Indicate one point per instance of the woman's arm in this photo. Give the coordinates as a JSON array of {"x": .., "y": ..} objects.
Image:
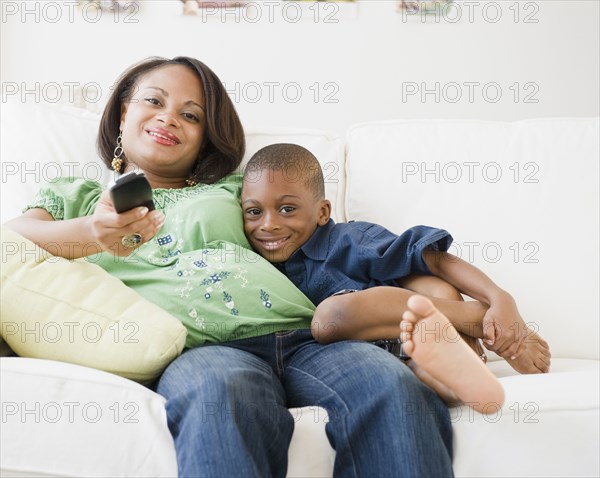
[{"x": 84, "y": 236}]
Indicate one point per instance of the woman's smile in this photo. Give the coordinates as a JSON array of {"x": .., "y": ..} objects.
[{"x": 162, "y": 136}]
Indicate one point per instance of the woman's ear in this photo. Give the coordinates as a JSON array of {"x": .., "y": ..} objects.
[
  {"x": 123, "y": 114},
  {"x": 324, "y": 212}
]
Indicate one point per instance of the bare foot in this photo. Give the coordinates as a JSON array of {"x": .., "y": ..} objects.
[
  {"x": 535, "y": 358},
  {"x": 435, "y": 346},
  {"x": 446, "y": 394}
]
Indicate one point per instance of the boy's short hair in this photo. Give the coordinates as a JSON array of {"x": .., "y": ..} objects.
[{"x": 294, "y": 161}]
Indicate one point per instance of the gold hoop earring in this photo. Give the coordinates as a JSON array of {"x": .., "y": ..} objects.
[{"x": 117, "y": 161}]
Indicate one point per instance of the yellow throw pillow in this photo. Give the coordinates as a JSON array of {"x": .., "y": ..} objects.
[{"x": 74, "y": 311}]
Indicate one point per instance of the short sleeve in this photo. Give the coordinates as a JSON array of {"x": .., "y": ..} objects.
[
  {"x": 67, "y": 198},
  {"x": 387, "y": 256},
  {"x": 233, "y": 184}
]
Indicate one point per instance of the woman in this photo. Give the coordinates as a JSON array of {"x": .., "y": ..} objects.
[{"x": 250, "y": 355}]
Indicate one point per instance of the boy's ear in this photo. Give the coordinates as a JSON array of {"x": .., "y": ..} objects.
[{"x": 324, "y": 212}]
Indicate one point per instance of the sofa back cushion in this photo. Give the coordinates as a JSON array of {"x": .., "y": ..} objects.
[
  {"x": 41, "y": 142},
  {"x": 520, "y": 199},
  {"x": 328, "y": 148}
]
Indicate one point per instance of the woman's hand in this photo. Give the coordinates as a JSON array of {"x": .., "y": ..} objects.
[{"x": 109, "y": 228}]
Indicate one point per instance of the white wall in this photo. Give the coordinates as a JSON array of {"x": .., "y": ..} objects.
[{"x": 368, "y": 62}]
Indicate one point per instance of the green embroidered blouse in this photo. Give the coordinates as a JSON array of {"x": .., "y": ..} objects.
[{"x": 200, "y": 266}]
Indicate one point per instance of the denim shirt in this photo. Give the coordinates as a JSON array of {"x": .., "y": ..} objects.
[{"x": 359, "y": 255}]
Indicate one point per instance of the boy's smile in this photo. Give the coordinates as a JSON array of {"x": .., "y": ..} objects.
[{"x": 280, "y": 213}]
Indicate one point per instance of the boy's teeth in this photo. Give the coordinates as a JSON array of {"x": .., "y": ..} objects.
[{"x": 274, "y": 243}]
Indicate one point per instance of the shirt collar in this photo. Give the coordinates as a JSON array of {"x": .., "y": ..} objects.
[{"x": 317, "y": 247}]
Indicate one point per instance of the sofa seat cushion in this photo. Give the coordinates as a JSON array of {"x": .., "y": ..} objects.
[
  {"x": 544, "y": 416},
  {"x": 66, "y": 420}
]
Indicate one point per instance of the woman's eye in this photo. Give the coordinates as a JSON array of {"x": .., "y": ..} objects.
[
  {"x": 153, "y": 101},
  {"x": 191, "y": 116}
]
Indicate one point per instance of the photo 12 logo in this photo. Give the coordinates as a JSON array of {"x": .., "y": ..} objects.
[
  {"x": 470, "y": 172},
  {"x": 469, "y": 92},
  {"x": 288, "y": 92},
  {"x": 238, "y": 11},
  {"x": 69, "y": 412},
  {"x": 71, "y": 11},
  {"x": 52, "y": 92},
  {"x": 449, "y": 11}
]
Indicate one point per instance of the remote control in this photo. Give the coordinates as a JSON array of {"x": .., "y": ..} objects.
[{"x": 131, "y": 190}]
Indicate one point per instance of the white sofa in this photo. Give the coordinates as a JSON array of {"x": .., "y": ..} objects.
[{"x": 521, "y": 200}]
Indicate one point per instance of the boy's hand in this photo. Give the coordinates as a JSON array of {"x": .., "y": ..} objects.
[
  {"x": 505, "y": 333},
  {"x": 504, "y": 330}
]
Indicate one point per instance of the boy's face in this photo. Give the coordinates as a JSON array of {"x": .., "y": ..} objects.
[{"x": 280, "y": 213}]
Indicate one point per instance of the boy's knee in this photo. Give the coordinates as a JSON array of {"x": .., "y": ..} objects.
[
  {"x": 443, "y": 290},
  {"x": 326, "y": 323}
]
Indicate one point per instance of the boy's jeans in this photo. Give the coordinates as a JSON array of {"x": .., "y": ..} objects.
[{"x": 227, "y": 408}]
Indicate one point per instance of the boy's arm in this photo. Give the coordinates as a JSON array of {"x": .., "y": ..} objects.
[{"x": 504, "y": 330}]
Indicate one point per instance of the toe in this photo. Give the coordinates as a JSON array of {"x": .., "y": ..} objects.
[{"x": 421, "y": 305}]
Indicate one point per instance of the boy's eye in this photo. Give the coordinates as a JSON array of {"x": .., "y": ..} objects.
[
  {"x": 253, "y": 212},
  {"x": 287, "y": 209}
]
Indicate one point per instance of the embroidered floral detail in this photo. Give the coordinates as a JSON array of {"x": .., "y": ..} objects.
[
  {"x": 207, "y": 294},
  {"x": 164, "y": 198},
  {"x": 49, "y": 201},
  {"x": 200, "y": 264},
  {"x": 229, "y": 303},
  {"x": 214, "y": 278},
  {"x": 241, "y": 275},
  {"x": 265, "y": 299},
  {"x": 199, "y": 322},
  {"x": 164, "y": 240},
  {"x": 184, "y": 292},
  {"x": 186, "y": 272}
]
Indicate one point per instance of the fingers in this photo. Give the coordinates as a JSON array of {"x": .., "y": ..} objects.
[
  {"x": 147, "y": 226},
  {"x": 122, "y": 233},
  {"x": 141, "y": 231},
  {"x": 489, "y": 334},
  {"x": 489, "y": 337}
]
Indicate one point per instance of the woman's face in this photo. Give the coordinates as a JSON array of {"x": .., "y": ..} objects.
[{"x": 163, "y": 125}]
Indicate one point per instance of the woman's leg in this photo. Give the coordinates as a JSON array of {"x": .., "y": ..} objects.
[
  {"x": 226, "y": 411},
  {"x": 382, "y": 420}
]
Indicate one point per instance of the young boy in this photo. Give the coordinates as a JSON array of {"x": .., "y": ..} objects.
[{"x": 286, "y": 219}]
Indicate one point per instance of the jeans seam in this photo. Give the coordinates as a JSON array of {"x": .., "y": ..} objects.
[
  {"x": 279, "y": 355},
  {"x": 342, "y": 422}
]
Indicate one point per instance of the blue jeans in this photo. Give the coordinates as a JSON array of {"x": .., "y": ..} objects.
[{"x": 227, "y": 408}]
